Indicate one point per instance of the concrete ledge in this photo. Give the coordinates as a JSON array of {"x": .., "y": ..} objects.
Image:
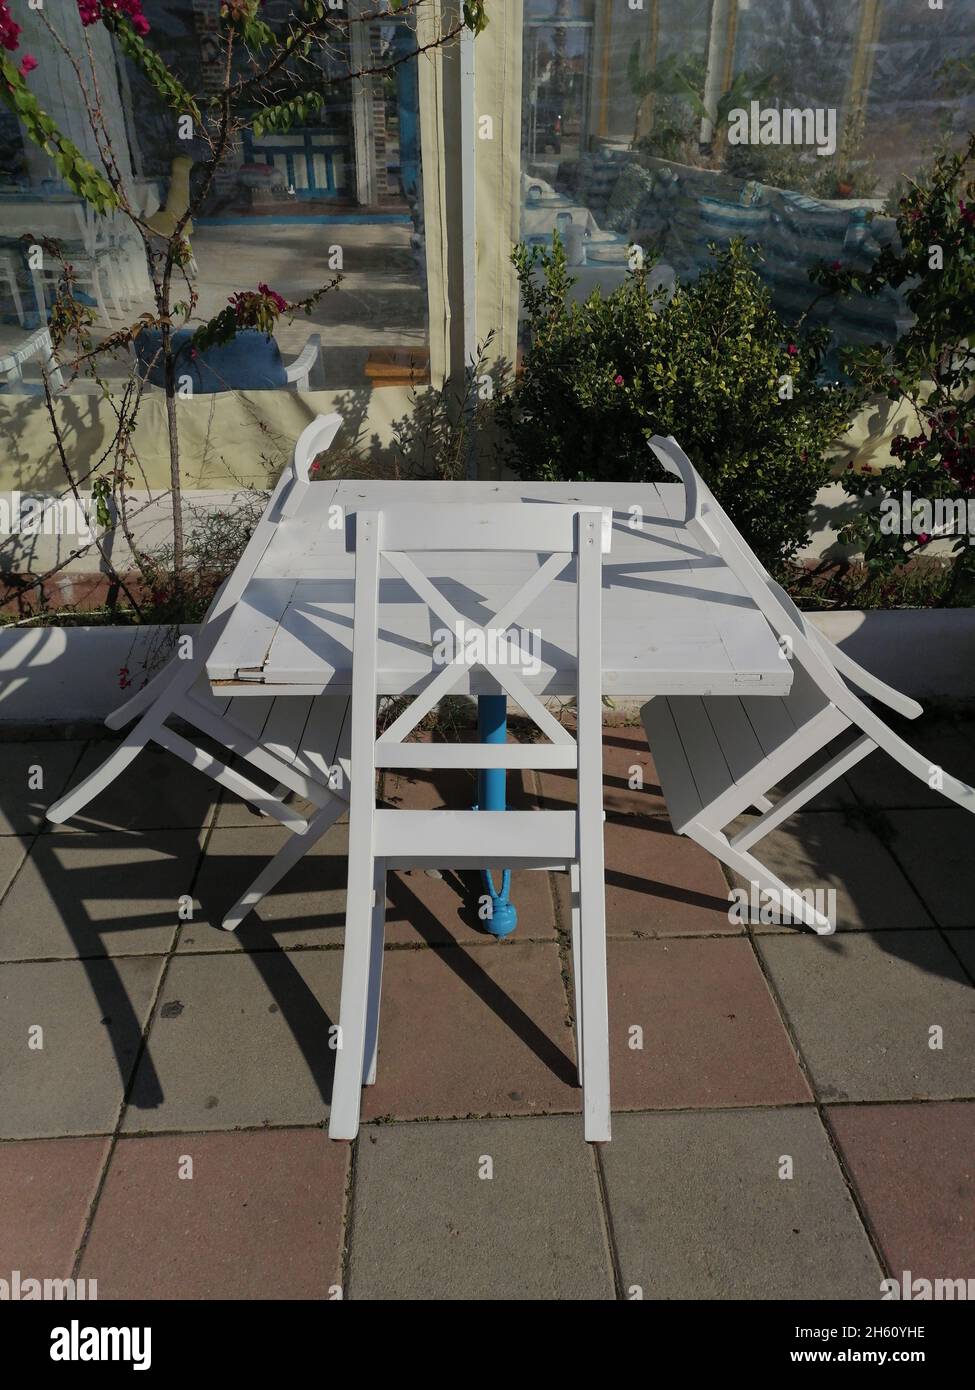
[{"x": 56, "y": 679}]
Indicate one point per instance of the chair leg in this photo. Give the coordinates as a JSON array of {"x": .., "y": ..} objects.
[
  {"x": 750, "y": 868},
  {"x": 148, "y": 727},
  {"x": 371, "y": 1053},
  {"x": 15, "y": 296},
  {"x": 40, "y": 295},
  {"x": 576, "y": 961},
  {"x": 287, "y": 856},
  {"x": 350, "y": 1057},
  {"x": 96, "y": 287},
  {"x": 97, "y": 781},
  {"x": 592, "y": 972}
]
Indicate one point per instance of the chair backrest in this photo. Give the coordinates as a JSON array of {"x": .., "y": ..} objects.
[
  {"x": 563, "y": 534},
  {"x": 711, "y": 526},
  {"x": 285, "y": 501}
]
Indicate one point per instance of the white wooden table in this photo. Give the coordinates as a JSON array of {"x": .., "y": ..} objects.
[{"x": 675, "y": 621}]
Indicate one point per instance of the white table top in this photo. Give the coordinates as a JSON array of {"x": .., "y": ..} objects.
[{"x": 675, "y": 621}]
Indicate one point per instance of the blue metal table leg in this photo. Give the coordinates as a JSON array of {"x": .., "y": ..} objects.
[{"x": 492, "y": 727}]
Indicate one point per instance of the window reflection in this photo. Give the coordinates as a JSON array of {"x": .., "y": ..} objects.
[
  {"x": 627, "y": 135},
  {"x": 339, "y": 192}
]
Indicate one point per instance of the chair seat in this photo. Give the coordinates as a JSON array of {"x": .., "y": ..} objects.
[
  {"x": 309, "y": 735},
  {"x": 704, "y": 746}
]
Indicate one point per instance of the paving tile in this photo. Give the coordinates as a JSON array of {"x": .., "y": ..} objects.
[
  {"x": 711, "y": 1033},
  {"x": 445, "y": 908},
  {"x": 452, "y": 789},
  {"x": 700, "y": 1210},
  {"x": 22, "y": 801},
  {"x": 46, "y": 1189},
  {"x": 307, "y": 908},
  {"x": 626, "y": 760},
  {"x": 473, "y": 1032},
  {"x": 92, "y": 1015},
  {"x": 913, "y": 1167},
  {"x": 98, "y": 894},
  {"x": 831, "y": 851},
  {"x": 862, "y": 1006},
  {"x": 880, "y": 781},
  {"x": 260, "y": 1217},
  {"x": 427, "y": 1225},
  {"x": 239, "y": 1040},
  {"x": 155, "y": 792},
  {"x": 935, "y": 848},
  {"x": 13, "y": 849},
  {"x": 657, "y": 883},
  {"x": 963, "y": 942}
]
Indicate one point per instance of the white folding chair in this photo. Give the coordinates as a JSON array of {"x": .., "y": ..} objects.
[
  {"x": 36, "y": 345},
  {"x": 295, "y": 741},
  {"x": 717, "y": 756},
  {"x": 381, "y": 839}
]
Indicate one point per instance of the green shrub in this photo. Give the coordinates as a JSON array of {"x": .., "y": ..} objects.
[
  {"x": 932, "y": 366},
  {"x": 716, "y": 368}
]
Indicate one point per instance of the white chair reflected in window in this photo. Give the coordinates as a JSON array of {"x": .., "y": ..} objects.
[
  {"x": 10, "y": 263},
  {"x": 36, "y": 348}
]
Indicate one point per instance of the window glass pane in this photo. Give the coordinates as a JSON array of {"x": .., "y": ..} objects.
[
  {"x": 596, "y": 122},
  {"x": 819, "y": 109},
  {"x": 921, "y": 85},
  {"x": 339, "y": 192}
]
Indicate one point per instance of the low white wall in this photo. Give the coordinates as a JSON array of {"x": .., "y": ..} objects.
[
  {"x": 76, "y": 675},
  {"x": 73, "y": 676}
]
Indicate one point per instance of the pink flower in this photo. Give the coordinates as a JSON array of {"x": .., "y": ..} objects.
[
  {"x": 617, "y": 380},
  {"x": 280, "y": 303},
  {"x": 91, "y": 11},
  {"x": 27, "y": 64},
  {"x": 923, "y": 538},
  {"x": 9, "y": 29},
  {"x": 792, "y": 349}
]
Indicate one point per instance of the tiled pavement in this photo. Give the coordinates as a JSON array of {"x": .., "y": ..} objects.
[{"x": 794, "y": 1116}]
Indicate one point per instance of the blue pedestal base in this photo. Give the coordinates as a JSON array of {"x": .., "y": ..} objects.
[{"x": 492, "y": 727}]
